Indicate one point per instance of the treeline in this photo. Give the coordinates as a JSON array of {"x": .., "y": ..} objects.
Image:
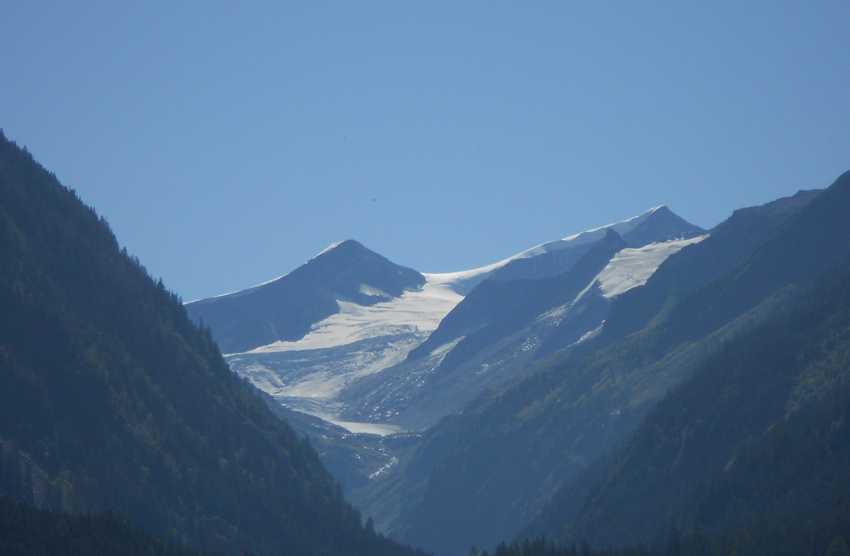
[
  {"x": 829, "y": 539},
  {"x": 26, "y": 531}
]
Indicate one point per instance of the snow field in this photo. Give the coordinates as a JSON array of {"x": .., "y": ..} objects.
[{"x": 632, "y": 267}]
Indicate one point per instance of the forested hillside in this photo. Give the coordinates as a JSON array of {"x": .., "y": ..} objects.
[
  {"x": 110, "y": 398},
  {"x": 27, "y": 531},
  {"x": 504, "y": 457},
  {"x": 756, "y": 441}
]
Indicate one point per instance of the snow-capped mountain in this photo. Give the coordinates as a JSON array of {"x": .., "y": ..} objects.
[
  {"x": 498, "y": 332},
  {"x": 366, "y": 344},
  {"x": 285, "y": 309}
]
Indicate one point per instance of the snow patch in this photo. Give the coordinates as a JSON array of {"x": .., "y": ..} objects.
[
  {"x": 420, "y": 310},
  {"x": 632, "y": 267},
  {"x": 555, "y": 314},
  {"x": 590, "y": 333},
  {"x": 360, "y": 428},
  {"x": 444, "y": 349},
  {"x": 384, "y": 468},
  {"x": 466, "y": 279},
  {"x": 366, "y": 289},
  {"x": 323, "y": 377},
  {"x": 368, "y": 428}
]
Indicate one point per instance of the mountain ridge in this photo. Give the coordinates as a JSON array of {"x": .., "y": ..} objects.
[
  {"x": 740, "y": 464},
  {"x": 581, "y": 405},
  {"x": 284, "y": 309},
  {"x": 531, "y": 298},
  {"x": 728, "y": 242},
  {"x": 354, "y": 369},
  {"x": 110, "y": 397}
]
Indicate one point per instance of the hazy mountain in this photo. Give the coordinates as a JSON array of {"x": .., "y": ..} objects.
[
  {"x": 110, "y": 397},
  {"x": 365, "y": 367},
  {"x": 755, "y": 441},
  {"x": 657, "y": 225},
  {"x": 507, "y": 454},
  {"x": 728, "y": 244},
  {"x": 286, "y": 308}
]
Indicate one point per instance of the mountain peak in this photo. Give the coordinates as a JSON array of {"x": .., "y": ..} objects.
[
  {"x": 660, "y": 224},
  {"x": 285, "y": 309},
  {"x": 656, "y": 225},
  {"x": 344, "y": 245}
]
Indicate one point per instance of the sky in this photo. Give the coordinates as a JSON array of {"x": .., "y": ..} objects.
[{"x": 226, "y": 143}]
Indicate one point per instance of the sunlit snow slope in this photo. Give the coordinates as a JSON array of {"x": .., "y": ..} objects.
[
  {"x": 413, "y": 311},
  {"x": 632, "y": 267}
]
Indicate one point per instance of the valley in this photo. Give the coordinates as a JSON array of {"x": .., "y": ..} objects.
[
  {"x": 409, "y": 397},
  {"x": 364, "y": 407}
]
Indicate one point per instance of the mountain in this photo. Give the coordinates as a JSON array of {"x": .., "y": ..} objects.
[
  {"x": 497, "y": 308},
  {"x": 756, "y": 441},
  {"x": 285, "y": 309},
  {"x": 657, "y": 225},
  {"x": 501, "y": 460},
  {"x": 377, "y": 364},
  {"x": 496, "y": 332},
  {"x": 492, "y": 388},
  {"x": 728, "y": 244},
  {"x": 111, "y": 398},
  {"x": 612, "y": 386}
]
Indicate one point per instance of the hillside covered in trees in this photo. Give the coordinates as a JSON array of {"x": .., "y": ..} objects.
[
  {"x": 110, "y": 398},
  {"x": 755, "y": 446},
  {"x": 27, "y": 531},
  {"x": 483, "y": 475}
]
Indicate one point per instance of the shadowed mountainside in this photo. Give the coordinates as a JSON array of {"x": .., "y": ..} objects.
[{"x": 110, "y": 397}]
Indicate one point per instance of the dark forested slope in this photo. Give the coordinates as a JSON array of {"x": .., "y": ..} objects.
[
  {"x": 27, "y": 531},
  {"x": 510, "y": 453},
  {"x": 756, "y": 442},
  {"x": 111, "y": 398}
]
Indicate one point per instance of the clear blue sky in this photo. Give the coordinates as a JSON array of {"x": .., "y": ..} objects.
[{"x": 227, "y": 143}]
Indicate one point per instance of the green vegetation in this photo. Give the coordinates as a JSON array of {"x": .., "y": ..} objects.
[
  {"x": 507, "y": 454},
  {"x": 753, "y": 449},
  {"x": 26, "y": 531},
  {"x": 828, "y": 539},
  {"x": 110, "y": 398}
]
